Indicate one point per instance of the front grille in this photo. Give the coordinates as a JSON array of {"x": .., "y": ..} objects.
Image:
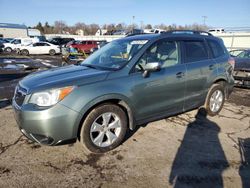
[{"x": 20, "y": 95}]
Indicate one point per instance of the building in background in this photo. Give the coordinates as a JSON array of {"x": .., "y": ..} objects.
[
  {"x": 80, "y": 32},
  {"x": 8, "y": 30},
  {"x": 34, "y": 32}
]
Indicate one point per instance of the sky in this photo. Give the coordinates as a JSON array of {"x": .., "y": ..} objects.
[{"x": 219, "y": 13}]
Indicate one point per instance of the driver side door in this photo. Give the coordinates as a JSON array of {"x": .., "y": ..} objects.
[{"x": 162, "y": 92}]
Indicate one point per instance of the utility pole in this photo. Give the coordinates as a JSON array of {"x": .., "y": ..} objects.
[
  {"x": 133, "y": 24},
  {"x": 204, "y": 20},
  {"x": 142, "y": 25}
]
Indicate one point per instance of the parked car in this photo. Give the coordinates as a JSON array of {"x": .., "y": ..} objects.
[
  {"x": 85, "y": 45},
  {"x": 60, "y": 41},
  {"x": 12, "y": 70},
  {"x": 128, "y": 82},
  {"x": 154, "y": 31},
  {"x": 40, "y": 48},
  {"x": 119, "y": 32},
  {"x": 17, "y": 43},
  {"x": 242, "y": 67}
]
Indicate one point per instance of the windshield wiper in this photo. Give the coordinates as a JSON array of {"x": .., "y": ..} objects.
[{"x": 98, "y": 67}]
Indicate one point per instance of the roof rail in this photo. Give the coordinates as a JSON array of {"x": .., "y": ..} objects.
[{"x": 188, "y": 32}]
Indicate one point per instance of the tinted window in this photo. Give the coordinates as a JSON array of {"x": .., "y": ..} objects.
[
  {"x": 195, "y": 51},
  {"x": 38, "y": 44},
  {"x": 217, "y": 49},
  {"x": 17, "y": 41},
  {"x": 165, "y": 52}
]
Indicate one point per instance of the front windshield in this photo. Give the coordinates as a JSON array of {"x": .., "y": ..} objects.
[{"x": 115, "y": 54}]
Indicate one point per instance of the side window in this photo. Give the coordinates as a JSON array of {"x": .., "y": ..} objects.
[
  {"x": 39, "y": 44},
  {"x": 165, "y": 52},
  {"x": 43, "y": 44},
  {"x": 17, "y": 41},
  {"x": 216, "y": 48},
  {"x": 195, "y": 51}
]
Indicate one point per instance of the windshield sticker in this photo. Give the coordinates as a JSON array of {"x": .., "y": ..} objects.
[{"x": 141, "y": 42}]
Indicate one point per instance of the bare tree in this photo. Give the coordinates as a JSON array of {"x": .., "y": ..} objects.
[
  {"x": 60, "y": 27},
  {"x": 148, "y": 26}
]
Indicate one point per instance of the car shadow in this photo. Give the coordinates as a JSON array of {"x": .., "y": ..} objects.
[
  {"x": 200, "y": 159},
  {"x": 244, "y": 170}
]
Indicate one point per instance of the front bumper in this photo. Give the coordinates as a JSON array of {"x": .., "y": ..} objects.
[
  {"x": 52, "y": 126},
  {"x": 242, "y": 78},
  {"x": 242, "y": 81}
]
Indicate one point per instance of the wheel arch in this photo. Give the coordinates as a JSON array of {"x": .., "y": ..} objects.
[
  {"x": 119, "y": 101},
  {"x": 223, "y": 81}
]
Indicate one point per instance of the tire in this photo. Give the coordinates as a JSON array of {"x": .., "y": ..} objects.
[
  {"x": 52, "y": 52},
  {"x": 8, "y": 49},
  {"x": 90, "y": 131},
  {"x": 25, "y": 52},
  {"x": 215, "y": 99}
]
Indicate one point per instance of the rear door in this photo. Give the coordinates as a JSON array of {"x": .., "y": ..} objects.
[
  {"x": 162, "y": 92},
  {"x": 200, "y": 70}
]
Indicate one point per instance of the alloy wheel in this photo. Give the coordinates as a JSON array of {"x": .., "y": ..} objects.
[
  {"x": 216, "y": 100},
  {"x": 105, "y": 129}
]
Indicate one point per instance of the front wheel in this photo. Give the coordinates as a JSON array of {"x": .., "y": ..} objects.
[
  {"x": 8, "y": 49},
  {"x": 103, "y": 129},
  {"x": 52, "y": 52},
  {"x": 215, "y": 99}
]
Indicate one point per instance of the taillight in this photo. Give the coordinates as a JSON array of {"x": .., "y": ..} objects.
[{"x": 231, "y": 61}]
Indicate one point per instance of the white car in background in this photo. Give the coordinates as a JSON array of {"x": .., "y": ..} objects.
[
  {"x": 40, "y": 48},
  {"x": 17, "y": 43}
]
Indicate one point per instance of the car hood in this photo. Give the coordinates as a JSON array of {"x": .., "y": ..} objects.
[{"x": 61, "y": 77}]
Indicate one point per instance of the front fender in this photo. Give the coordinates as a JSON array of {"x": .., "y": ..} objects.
[{"x": 123, "y": 101}]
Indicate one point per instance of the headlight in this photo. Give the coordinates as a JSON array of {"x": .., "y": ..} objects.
[{"x": 50, "y": 97}]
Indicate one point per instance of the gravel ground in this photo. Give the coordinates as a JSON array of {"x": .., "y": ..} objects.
[{"x": 189, "y": 150}]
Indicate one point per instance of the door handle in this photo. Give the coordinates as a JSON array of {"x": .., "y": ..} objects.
[{"x": 180, "y": 74}]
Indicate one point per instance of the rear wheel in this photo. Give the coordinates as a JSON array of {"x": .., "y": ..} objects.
[
  {"x": 103, "y": 129},
  {"x": 25, "y": 52},
  {"x": 52, "y": 52},
  {"x": 215, "y": 99}
]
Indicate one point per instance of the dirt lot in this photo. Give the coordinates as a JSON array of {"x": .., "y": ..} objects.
[{"x": 189, "y": 150}]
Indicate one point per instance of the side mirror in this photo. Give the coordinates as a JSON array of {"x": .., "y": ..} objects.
[{"x": 151, "y": 67}]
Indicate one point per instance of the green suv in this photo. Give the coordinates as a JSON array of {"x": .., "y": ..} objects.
[{"x": 128, "y": 82}]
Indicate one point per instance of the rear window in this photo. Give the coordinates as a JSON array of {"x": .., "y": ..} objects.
[
  {"x": 216, "y": 48},
  {"x": 195, "y": 51}
]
